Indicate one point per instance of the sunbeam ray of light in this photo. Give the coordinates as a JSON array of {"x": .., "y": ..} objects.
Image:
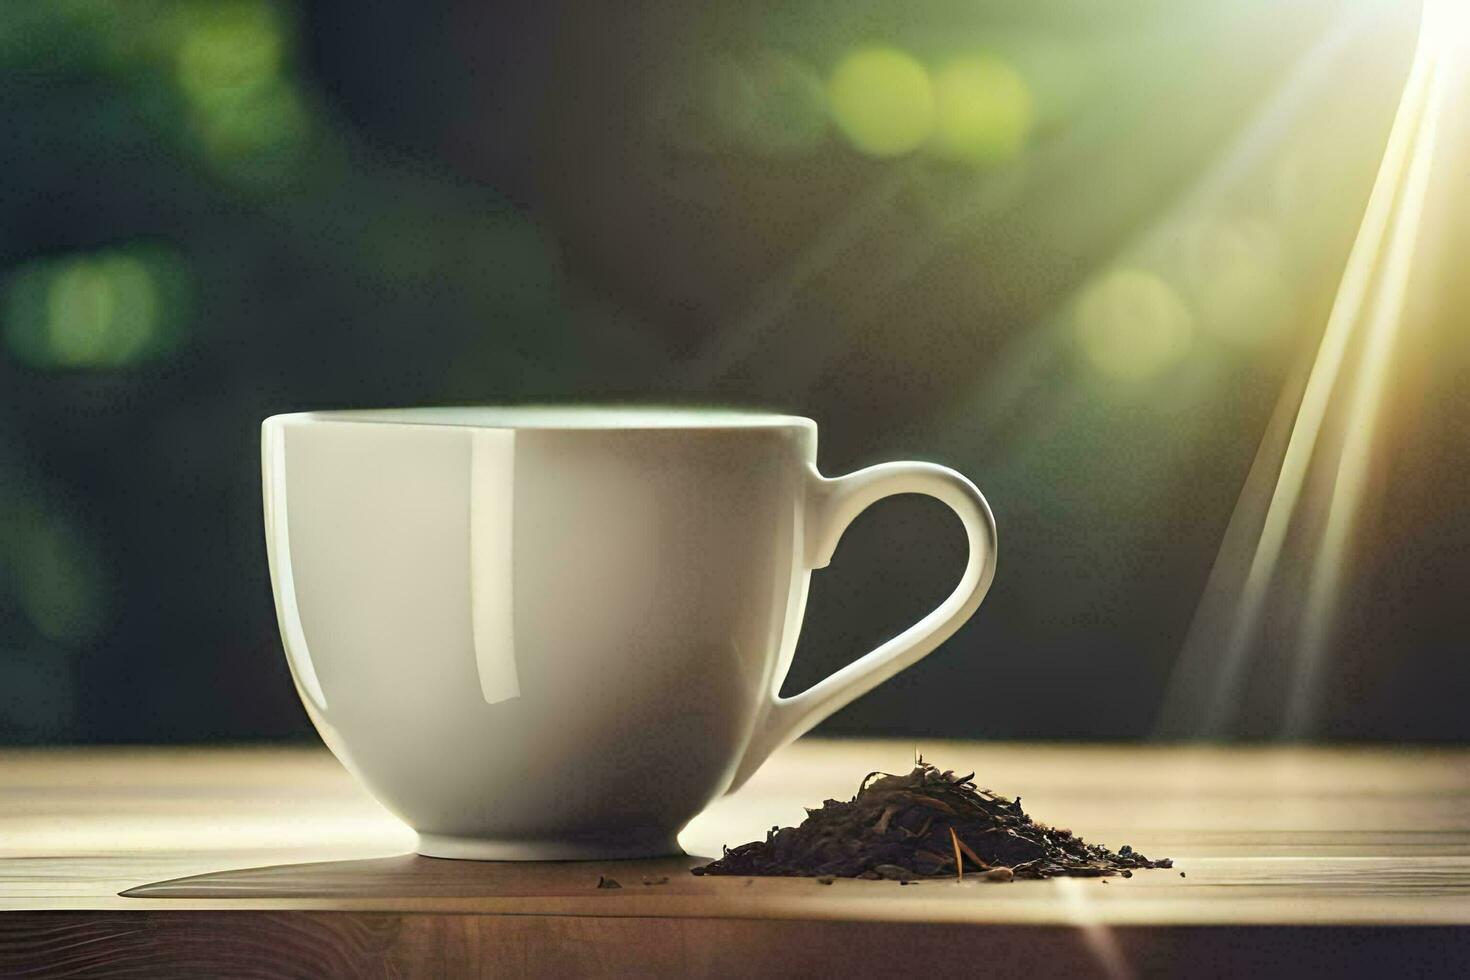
[
  {"x": 1343, "y": 393},
  {"x": 1262, "y": 135},
  {"x": 804, "y": 354},
  {"x": 1018, "y": 371},
  {"x": 1099, "y": 939},
  {"x": 1447, "y": 24}
]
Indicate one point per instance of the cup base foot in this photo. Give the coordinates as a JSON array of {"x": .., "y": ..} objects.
[{"x": 491, "y": 849}]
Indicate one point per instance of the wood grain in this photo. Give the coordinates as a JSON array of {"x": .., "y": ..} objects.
[
  {"x": 271, "y": 862},
  {"x": 381, "y": 944}
]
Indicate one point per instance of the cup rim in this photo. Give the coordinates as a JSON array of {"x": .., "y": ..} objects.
[{"x": 610, "y": 418}]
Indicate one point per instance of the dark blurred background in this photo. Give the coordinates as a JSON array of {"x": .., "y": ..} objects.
[{"x": 1076, "y": 249}]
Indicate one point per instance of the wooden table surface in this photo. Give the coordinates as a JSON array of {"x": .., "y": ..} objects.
[{"x": 271, "y": 862}]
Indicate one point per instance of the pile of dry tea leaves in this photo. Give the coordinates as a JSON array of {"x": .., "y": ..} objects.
[{"x": 923, "y": 825}]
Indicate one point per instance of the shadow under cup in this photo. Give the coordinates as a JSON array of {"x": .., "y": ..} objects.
[{"x": 534, "y": 639}]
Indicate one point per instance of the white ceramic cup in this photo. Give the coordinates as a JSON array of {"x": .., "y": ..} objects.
[{"x": 561, "y": 633}]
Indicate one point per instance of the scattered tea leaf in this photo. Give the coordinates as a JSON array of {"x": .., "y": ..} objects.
[
  {"x": 968, "y": 852},
  {"x": 924, "y": 824},
  {"x": 603, "y": 881}
]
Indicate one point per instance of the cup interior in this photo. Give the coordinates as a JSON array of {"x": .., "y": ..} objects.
[{"x": 564, "y": 417}]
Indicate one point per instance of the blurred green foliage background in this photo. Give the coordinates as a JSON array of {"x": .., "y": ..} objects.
[{"x": 1072, "y": 248}]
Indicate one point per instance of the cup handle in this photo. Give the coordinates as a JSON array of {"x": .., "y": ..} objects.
[{"x": 832, "y": 504}]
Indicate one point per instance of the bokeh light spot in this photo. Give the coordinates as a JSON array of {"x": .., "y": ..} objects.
[
  {"x": 109, "y": 310},
  {"x": 983, "y": 111},
  {"x": 101, "y": 311},
  {"x": 1132, "y": 325},
  {"x": 79, "y": 306},
  {"x": 270, "y": 120},
  {"x": 228, "y": 51},
  {"x": 1233, "y": 268},
  {"x": 883, "y": 101},
  {"x": 788, "y": 105},
  {"x": 230, "y": 67},
  {"x": 769, "y": 102},
  {"x": 59, "y": 578}
]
